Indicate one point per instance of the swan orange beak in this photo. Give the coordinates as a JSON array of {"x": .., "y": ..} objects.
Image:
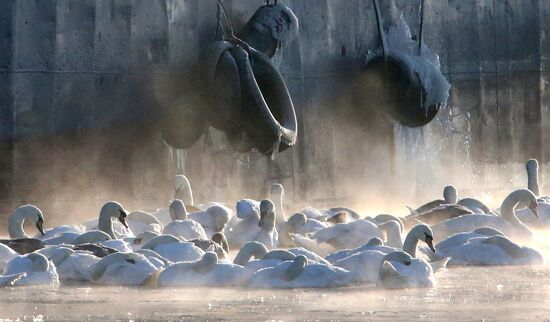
[
  {"x": 122, "y": 219},
  {"x": 535, "y": 209},
  {"x": 430, "y": 244}
]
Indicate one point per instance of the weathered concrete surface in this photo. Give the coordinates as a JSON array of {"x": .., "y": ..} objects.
[{"x": 78, "y": 107}]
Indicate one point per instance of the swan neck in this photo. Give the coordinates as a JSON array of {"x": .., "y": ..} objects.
[
  {"x": 533, "y": 180},
  {"x": 255, "y": 249},
  {"x": 15, "y": 227},
  {"x": 279, "y": 208},
  {"x": 105, "y": 224},
  {"x": 393, "y": 236},
  {"x": 409, "y": 246},
  {"x": 508, "y": 207}
]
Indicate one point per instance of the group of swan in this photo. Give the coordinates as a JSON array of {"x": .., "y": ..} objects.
[{"x": 311, "y": 248}]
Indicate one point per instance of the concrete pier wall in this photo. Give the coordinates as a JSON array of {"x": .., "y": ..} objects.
[{"x": 81, "y": 84}]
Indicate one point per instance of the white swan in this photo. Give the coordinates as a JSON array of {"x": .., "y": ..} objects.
[
  {"x": 139, "y": 221},
  {"x": 203, "y": 272},
  {"x": 73, "y": 265},
  {"x": 524, "y": 214},
  {"x": 416, "y": 274},
  {"x": 173, "y": 248},
  {"x": 213, "y": 220},
  {"x": 244, "y": 227},
  {"x": 300, "y": 224},
  {"x": 37, "y": 268},
  {"x": 340, "y": 236},
  {"x": 123, "y": 269},
  {"x": 268, "y": 233},
  {"x": 507, "y": 223},
  {"x": 180, "y": 225},
  {"x": 21, "y": 214},
  {"x": 418, "y": 233},
  {"x": 449, "y": 198},
  {"x": 486, "y": 246},
  {"x": 300, "y": 274},
  {"x": 366, "y": 265}
]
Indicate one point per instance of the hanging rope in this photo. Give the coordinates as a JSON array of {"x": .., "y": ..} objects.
[{"x": 421, "y": 27}]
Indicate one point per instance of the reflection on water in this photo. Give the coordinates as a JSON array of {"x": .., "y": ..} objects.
[{"x": 511, "y": 293}]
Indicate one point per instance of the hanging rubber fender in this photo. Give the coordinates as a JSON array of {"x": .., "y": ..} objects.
[
  {"x": 182, "y": 122},
  {"x": 268, "y": 115},
  {"x": 269, "y": 28},
  {"x": 399, "y": 91}
]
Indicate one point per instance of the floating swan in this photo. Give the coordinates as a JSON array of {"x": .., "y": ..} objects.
[
  {"x": 73, "y": 265},
  {"x": 173, "y": 248},
  {"x": 180, "y": 225},
  {"x": 268, "y": 233},
  {"x": 507, "y": 223},
  {"x": 213, "y": 220},
  {"x": 300, "y": 224},
  {"x": 139, "y": 221},
  {"x": 203, "y": 272},
  {"x": 366, "y": 265},
  {"x": 418, "y": 233},
  {"x": 437, "y": 214},
  {"x": 486, "y": 246},
  {"x": 244, "y": 227},
  {"x": 449, "y": 198},
  {"x": 340, "y": 236},
  {"x": 17, "y": 219},
  {"x": 396, "y": 275},
  {"x": 277, "y": 193},
  {"x": 123, "y": 269},
  {"x": 37, "y": 268},
  {"x": 300, "y": 274}
]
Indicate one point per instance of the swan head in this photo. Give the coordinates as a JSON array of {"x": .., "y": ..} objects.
[
  {"x": 277, "y": 190},
  {"x": 266, "y": 213},
  {"x": 144, "y": 237},
  {"x": 339, "y": 218},
  {"x": 295, "y": 221},
  {"x": 532, "y": 166},
  {"x": 221, "y": 216},
  {"x": 39, "y": 262},
  {"x": 29, "y": 212},
  {"x": 424, "y": 232},
  {"x": 182, "y": 188},
  {"x": 375, "y": 242},
  {"x": 399, "y": 256},
  {"x": 91, "y": 237},
  {"x": 219, "y": 238},
  {"x": 450, "y": 194},
  {"x": 296, "y": 268},
  {"x": 206, "y": 263},
  {"x": 177, "y": 210},
  {"x": 114, "y": 210}
]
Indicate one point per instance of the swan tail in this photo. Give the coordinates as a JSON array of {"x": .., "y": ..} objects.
[
  {"x": 413, "y": 212},
  {"x": 10, "y": 280},
  {"x": 310, "y": 245},
  {"x": 152, "y": 280},
  {"x": 439, "y": 265}
]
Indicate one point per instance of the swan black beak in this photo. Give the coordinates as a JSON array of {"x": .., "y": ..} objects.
[
  {"x": 429, "y": 241},
  {"x": 534, "y": 209},
  {"x": 122, "y": 218},
  {"x": 39, "y": 226}
]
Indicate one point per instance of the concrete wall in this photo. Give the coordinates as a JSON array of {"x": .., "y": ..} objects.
[{"x": 81, "y": 84}]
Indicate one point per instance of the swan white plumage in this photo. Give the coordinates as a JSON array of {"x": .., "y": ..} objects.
[
  {"x": 123, "y": 269},
  {"x": 366, "y": 265},
  {"x": 203, "y": 272},
  {"x": 268, "y": 233},
  {"x": 180, "y": 225},
  {"x": 418, "y": 233},
  {"x": 507, "y": 222},
  {"x": 213, "y": 220},
  {"x": 73, "y": 265},
  {"x": 300, "y": 224},
  {"x": 21, "y": 214},
  {"x": 340, "y": 236},
  {"x": 299, "y": 274},
  {"x": 37, "y": 268},
  {"x": 486, "y": 246},
  {"x": 244, "y": 226},
  {"x": 416, "y": 274},
  {"x": 174, "y": 249},
  {"x": 139, "y": 221}
]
